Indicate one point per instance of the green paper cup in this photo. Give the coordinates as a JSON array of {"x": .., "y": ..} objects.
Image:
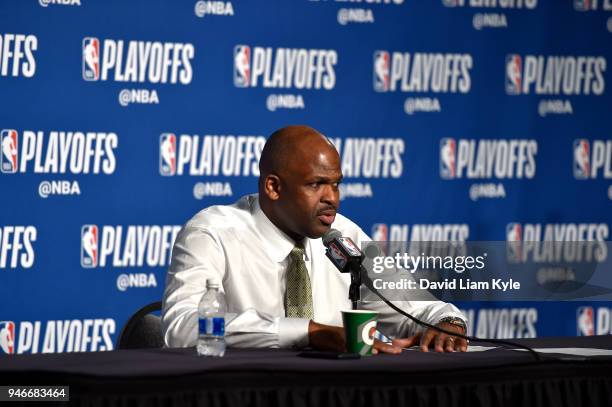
[{"x": 359, "y": 328}]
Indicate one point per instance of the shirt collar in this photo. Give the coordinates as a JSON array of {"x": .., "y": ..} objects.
[{"x": 276, "y": 242}]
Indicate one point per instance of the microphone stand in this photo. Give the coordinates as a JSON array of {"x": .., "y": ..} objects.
[
  {"x": 353, "y": 266},
  {"x": 355, "y": 288}
]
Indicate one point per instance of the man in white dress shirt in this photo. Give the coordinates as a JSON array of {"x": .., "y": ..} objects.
[{"x": 255, "y": 246}]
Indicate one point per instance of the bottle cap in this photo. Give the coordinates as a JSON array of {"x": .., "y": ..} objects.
[{"x": 212, "y": 283}]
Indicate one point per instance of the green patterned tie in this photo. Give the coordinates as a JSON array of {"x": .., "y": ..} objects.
[{"x": 298, "y": 295}]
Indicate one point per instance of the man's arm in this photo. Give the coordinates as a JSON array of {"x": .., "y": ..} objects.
[
  {"x": 426, "y": 309},
  {"x": 406, "y": 333},
  {"x": 196, "y": 256}
]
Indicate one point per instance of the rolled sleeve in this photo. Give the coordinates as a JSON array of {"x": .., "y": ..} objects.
[{"x": 293, "y": 332}]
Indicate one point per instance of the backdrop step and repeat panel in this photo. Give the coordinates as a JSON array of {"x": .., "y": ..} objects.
[{"x": 455, "y": 119}]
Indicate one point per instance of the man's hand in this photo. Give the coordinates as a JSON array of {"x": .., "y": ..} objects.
[
  {"x": 440, "y": 341},
  {"x": 327, "y": 337}
]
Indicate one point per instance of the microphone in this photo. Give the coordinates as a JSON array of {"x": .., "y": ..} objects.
[
  {"x": 348, "y": 258},
  {"x": 342, "y": 251}
]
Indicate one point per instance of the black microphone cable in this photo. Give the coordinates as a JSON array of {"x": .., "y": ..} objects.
[
  {"x": 368, "y": 283},
  {"x": 333, "y": 234}
]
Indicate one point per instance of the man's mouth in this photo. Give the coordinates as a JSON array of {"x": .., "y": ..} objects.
[{"x": 327, "y": 217}]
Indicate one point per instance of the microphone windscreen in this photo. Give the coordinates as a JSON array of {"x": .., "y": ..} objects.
[
  {"x": 372, "y": 250},
  {"x": 330, "y": 235}
]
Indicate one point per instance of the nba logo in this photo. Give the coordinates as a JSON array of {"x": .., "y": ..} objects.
[
  {"x": 514, "y": 237},
  {"x": 514, "y": 67},
  {"x": 381, "y": 71},
  {"x": 167, "y": 154},
  {"x": 7, "y": 337},
  {"x": 585, "y": 321},
  {"x": 448, "y": 149},
  {"x": 379, "y": 232},
  {"x": 514, "y": 232},
  {"x": 242, "y": 66},
  {"x": 8, "y": 158},
  {"x": 582, "y": 167},
  {"x": 91, "y": 59},
  {"x": 583, "y": 5},
  {"x": 89, "y": 246}
]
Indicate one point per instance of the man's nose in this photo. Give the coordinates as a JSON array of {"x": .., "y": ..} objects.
[{"x": 330, "y": 195}]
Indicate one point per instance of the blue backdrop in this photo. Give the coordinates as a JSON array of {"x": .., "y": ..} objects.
[{"x": 455, "y": 119}]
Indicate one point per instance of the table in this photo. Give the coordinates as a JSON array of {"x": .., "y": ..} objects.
[{"x": 272, "y": 377}]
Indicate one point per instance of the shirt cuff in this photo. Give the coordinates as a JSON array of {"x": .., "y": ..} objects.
[{"x": 293, "y": 332}]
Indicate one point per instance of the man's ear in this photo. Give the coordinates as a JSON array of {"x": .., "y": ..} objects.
[{"x": 272, "y": 187}]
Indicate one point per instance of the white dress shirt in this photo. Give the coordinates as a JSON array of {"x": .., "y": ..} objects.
[{"x": 240, "y": 247}]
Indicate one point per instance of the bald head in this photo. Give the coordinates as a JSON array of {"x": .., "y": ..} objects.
[
  {"x": 291, "y": 144},
  {"x": 298, "y": 181}
]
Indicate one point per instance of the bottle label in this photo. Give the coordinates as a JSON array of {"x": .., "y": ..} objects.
[{"x": 214, "y": 326}]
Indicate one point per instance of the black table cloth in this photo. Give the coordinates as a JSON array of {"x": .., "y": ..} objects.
[{"x": 269, "y": 377}]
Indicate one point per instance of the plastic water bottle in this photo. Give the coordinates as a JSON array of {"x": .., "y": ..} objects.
[{"x": 211, "y": 321}]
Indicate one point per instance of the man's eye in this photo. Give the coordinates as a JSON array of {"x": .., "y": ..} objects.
[{"x": 315, "y": 184}]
